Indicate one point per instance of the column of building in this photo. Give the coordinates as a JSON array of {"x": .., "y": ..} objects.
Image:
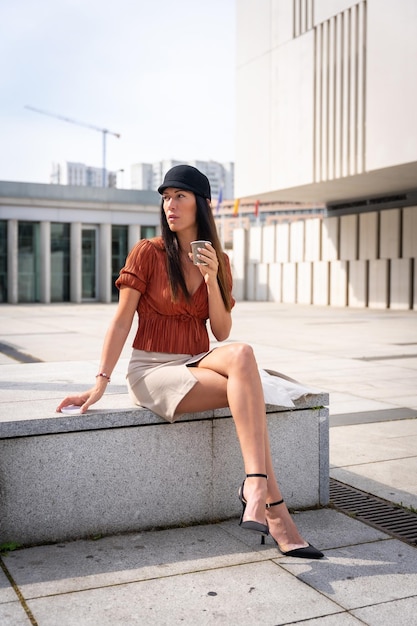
[
  {"x": 12, "y": 264},
  {"x": 103, "y": 269}
]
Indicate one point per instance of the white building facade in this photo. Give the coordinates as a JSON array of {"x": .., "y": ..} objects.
[
  {"x": 67, "y": 244},
  {"x": 326, "y": 102}
]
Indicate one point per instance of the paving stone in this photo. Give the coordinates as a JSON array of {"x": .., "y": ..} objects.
[
  {"x": 398, "y": 612},
  {"x": 248, "y": 594},
  {"x": 77, "y": 565},
  {"x": 339, "y": 619},
  {"x": 13, "y": 614},
  {"x": 7, "y": 593},
  {"x": 366, "y": 574}
]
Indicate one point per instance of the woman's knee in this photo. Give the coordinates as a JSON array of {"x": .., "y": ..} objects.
[{"x": 243, "y": 356}]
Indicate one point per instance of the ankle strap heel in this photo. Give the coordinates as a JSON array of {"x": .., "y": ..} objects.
[
  {"x": 256, "y": 476},
  {"x": 269, "y": 504},
  {"x": 251, "y": 524}
]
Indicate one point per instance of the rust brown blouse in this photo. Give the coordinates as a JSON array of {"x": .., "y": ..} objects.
[{"x": 165, "y": 326}]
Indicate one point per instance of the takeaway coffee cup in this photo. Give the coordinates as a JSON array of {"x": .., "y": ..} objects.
[{"x": 194, "y": 248}]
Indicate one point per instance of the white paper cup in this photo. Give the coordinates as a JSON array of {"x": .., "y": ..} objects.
[{"x": 194, "y": 248}]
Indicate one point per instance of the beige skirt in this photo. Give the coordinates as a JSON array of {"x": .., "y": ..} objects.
[{"x": 159, "y": 381}]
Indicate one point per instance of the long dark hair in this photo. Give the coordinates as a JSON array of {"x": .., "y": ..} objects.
[{"x": 206, "y": 229}]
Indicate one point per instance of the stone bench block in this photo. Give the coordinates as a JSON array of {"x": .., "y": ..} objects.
[
  {"x": 121, "y": 468},
  {"x": 358, "y": 284},
  {"x": 378, "y": 283},
  {"x": 338, "y": 283},
  {"x": 289, "y": 282},
  {"x": 275, "y": 282},
  {"x": 304, "y": 282},
  {"x": 321, "y": 282},
  {"x": 401, "y": 284}
]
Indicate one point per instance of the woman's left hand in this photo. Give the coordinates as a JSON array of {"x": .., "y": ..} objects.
[
  {"x": 208, "y": 256},
  {"x": 220, "y": 318}
]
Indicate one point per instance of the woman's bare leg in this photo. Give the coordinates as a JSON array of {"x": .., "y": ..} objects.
[
  {"x": 228, "y": 376},
  {"x": 241, "y": 390}
]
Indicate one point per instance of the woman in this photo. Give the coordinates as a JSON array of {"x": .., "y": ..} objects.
[{"x": 172, "y": 370}]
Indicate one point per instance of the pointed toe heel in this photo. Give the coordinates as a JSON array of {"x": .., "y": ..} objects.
[{"x": 307, "y": 552}]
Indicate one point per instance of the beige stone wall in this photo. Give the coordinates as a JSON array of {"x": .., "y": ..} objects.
[
  {"x": 325, "y": 99},
  {"x": 367, "y": 260}
]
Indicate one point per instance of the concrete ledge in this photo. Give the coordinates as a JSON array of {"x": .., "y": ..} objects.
[{"x": 122, "y": 468}]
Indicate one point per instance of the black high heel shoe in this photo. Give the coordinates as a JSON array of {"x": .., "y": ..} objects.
[
  {"x": 251, "y": 524},
  {"x": 309, "y": 552}
]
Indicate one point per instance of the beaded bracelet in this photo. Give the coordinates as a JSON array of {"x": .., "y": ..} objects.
[{"x": 103, "y": 375}]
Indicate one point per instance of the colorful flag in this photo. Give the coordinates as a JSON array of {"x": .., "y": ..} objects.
[
  {"x": 236, "y": 207},
  {"x": 219, "y": 200},
  {"x": 256, "y": 210}
]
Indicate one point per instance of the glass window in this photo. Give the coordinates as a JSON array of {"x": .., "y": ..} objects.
[
  {"x": 28, "y": 261},
  {"x": 147, "y": 232},
  {"x": 119, "y": 235},
  {"x": 60, "y": 262},
  {"x": 3, "y": 261}
]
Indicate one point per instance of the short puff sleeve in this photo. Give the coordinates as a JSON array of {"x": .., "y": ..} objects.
[{"x": 138, "y": 268}]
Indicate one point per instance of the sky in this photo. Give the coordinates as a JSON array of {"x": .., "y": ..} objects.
[{"x": 161, "y": 73}]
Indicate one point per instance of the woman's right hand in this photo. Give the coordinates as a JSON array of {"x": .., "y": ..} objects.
[
  {"x": 86, "y": 399},
  {"x": 113, "y": 343}
]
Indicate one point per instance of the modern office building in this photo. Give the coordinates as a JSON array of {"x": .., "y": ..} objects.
[
  {"x": 67, "y": 244},
  {"x": 326, "y": 113},
  {"x": 221, "y": 175}
]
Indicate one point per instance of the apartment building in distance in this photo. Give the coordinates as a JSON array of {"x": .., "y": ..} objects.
[
  {"x": 82, "y": 175},
  {"x": 221, "y": 175}
]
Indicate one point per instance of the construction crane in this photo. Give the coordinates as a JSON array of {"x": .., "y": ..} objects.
[{"x": 105, "y": 132}]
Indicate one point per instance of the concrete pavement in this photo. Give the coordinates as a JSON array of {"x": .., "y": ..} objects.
[{"x": 367, "y": 361}]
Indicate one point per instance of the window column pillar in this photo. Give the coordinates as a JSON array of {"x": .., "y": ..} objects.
[
  {"x": 45, "y": 262},
  {"x": 133, "y": 235},
  {"x": 12, "y": 262},
  {"x": 104, "y": 263},
  {"x": 75, "y": 262}
]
